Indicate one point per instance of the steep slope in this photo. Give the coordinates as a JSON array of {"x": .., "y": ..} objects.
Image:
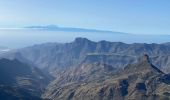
[
  {"x": 15, "y": 93},
  {"x": 85, "y": 73},
  {"x": 116, "y": 60},
  {"x": 139, "y": 81},
  {"x": 27, "y": 81},
  {"x": 79, "y": 76}
]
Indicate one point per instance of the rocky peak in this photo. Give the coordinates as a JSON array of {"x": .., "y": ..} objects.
[
  {"x": 145, "y": 58},
  {"x": 81, "y": 40},
  {"x": 143, "y": 65}
]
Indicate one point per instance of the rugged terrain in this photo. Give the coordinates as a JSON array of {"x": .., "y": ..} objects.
[
  {"x": 56, "y": 57},
  {"x": 19, "y": 81},
  {"x": 139, "y": 81},
  {"x": 86, "y": 70}
]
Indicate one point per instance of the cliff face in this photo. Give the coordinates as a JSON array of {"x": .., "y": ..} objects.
[{"x": 139, "y": 81}]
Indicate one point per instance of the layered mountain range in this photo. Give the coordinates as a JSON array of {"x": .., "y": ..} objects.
[
  {"x": 87, "y": 70},
  {"x": 54, "y": 57}
]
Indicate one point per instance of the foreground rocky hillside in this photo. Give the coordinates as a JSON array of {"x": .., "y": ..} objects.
[
  {"x": 19, "y": 81},
  {"x": 139, "y": 81}
]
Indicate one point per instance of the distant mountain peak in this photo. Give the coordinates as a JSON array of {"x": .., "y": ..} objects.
[
  {"x": 80, "y": 39},
  {"x": 71, "y": 29},
  {"x": 43, "y": 27}
]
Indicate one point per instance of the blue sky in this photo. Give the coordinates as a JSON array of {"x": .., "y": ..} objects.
[{"x": 131, "y": 16}]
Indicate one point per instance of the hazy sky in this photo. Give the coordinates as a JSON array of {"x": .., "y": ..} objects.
[{"x": 132, "y": 16}]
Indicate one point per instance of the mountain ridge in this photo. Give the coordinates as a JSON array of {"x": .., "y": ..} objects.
[
  {"x": 71, "y": 29},
  {"x": 59, "y": 56},
  {"x": 85, "y": 70}
]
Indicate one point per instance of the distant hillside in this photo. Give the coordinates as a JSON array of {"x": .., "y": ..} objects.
[
  {"x": 54, "y": 57},
  {"x": 69, "y": 29},
  {"x": 85, "y": 69}
]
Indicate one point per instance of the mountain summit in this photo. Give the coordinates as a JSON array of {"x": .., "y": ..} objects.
[
  {"x": 144, "y": 65},
  {"x": 146, "y": 58}
]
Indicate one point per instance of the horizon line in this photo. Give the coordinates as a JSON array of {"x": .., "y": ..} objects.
[{"x": 36, "y": 27}]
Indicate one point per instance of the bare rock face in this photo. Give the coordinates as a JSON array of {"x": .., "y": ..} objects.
[{"x": 140, "y": 81}]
